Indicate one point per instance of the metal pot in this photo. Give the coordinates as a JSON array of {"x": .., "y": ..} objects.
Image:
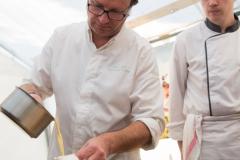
[{"x": 26, "y": 112}]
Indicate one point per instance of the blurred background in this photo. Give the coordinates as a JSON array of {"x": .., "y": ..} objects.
[{"x": 25, "y": 27}]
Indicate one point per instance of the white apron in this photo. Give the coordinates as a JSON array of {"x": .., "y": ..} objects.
[{"x": 212, "y": 137}]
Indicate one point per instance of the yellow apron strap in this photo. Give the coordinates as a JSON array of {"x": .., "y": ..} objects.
[{"x": 59, "y": 137}]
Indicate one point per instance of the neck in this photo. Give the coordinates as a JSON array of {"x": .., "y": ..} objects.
[
  {"x": 230, "y": 26},
  {"x": 228, "y": 22},
  {"x": 100, "y": 41}
]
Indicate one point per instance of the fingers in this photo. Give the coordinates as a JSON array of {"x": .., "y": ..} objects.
[
  {"x": 84, "y": 152},
  {"x": 91, "y": 152},
  {"x": 37, "y": 98},
  {"x": 97, "y": 156}
]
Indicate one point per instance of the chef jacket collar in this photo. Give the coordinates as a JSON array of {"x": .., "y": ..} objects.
[
  {"x": 115, "y": 37},
  {"x": 216, "y": 28}
]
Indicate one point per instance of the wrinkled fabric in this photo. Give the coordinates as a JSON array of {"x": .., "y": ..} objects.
[
  {"x": 221, "y": 137},
  {"x": 188, "y": 76},
  {"x": 218, "y": 137},
  {"x": 99, "y": 90}
]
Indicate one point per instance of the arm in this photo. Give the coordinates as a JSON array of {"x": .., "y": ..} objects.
[
  {"x": 177, "y": 88},
  {"x": 39, "y": 84},
  {"x": 130, "y": 138},
  {"x": 180, "y": 148}
]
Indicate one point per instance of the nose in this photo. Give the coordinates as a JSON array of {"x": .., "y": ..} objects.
[
  {"x": 213, "y": 3},
  {"x": 103, "y": 18}
]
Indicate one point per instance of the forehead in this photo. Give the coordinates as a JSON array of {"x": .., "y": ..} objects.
[{"x": 112, "y": 4}]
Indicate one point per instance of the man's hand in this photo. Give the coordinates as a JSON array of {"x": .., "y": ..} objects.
[
  {"x": 37, "y": 98},
  {"x": 32, "y": 91},
  {"x": 128, "y": 139},
  {"x": 94, "y": 149}
]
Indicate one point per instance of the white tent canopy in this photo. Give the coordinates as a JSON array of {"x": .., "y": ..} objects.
[{"x": 27, "y": 24}]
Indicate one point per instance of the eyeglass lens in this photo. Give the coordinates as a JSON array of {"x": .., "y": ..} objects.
[{"x": 99, "y": 11}]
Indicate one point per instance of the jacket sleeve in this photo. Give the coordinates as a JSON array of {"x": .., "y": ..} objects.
[
  {"x": 177, "y": 88},
  {"x": 147, "y": 97},
  {"x": 41, "y": 71}
]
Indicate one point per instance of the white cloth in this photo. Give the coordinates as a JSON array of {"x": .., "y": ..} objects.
[
  {"x": 68, "y": 157},
  {"x": 220, "y": 137},
  {"x": 211, "y": 137},
  {"x": 99, "y": 90},
  {"x": 192, "y": 137},
  {"x": 188, "y": 77}
]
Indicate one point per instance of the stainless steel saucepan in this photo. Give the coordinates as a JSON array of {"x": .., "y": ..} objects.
[
  {"x": 26, "y": 112},
  {"x": 29, "y": 114}
]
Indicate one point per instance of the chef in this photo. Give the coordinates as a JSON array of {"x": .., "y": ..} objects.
[
  {"x": 106, "y": 84},
  {"x": 205, "y": 86}
]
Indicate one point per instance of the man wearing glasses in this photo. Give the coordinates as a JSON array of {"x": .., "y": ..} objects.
[{"x": 106, "y": 84}]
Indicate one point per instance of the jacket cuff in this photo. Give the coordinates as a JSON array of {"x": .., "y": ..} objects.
[
  {"x": 156, "y": 128},
  {"x": 175, "y": 131}
]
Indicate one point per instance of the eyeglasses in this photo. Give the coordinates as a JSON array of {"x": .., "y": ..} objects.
[{"x": 111, "y": 15}]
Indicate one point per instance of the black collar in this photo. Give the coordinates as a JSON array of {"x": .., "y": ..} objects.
[{"x": 216, "y": 28}]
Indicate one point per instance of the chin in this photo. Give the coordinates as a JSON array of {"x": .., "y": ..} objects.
[
  {"x": 103, "y": 33},
  {"x": 215, "y": 19}
]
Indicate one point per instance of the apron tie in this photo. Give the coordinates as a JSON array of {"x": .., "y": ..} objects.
[{"x": 192, "y": 137}]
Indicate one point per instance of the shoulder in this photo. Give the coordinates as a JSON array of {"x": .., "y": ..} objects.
[
  {"x": 191, "y": 33},
  {"x": 70, "y": 29},
  {"x": 139, "y": 47},
  {"x": 133, "y": 39}
]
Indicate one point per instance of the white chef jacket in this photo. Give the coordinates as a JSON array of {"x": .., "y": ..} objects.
[
  {"x": 99, "y": 90},
  {"x": 188, "y": 75}
]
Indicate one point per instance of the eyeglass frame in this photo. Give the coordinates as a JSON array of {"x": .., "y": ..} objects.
[{"x": 104, "y": 11}]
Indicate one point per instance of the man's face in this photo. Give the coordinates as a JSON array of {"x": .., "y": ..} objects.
[
  {"x": 218, "y": 11},
  {"x": 102, "y": 25}
]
